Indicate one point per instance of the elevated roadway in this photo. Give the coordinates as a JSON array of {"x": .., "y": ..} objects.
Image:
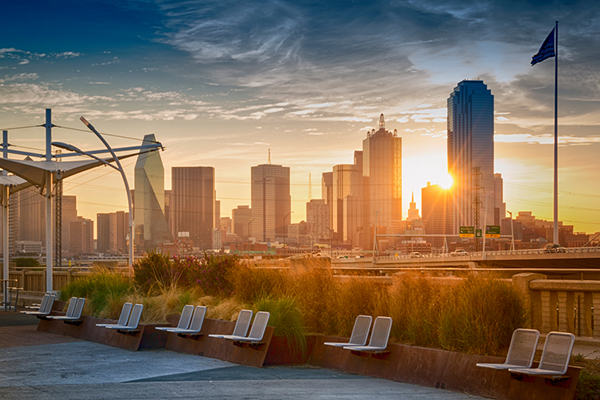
[{"x": 573, "y": 261}]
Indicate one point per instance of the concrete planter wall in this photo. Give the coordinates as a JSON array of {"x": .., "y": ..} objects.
[{"x": 444, "y": 370}]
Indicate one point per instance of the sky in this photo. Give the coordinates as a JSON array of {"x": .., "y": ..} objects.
[{"x": 220, "y": 83}]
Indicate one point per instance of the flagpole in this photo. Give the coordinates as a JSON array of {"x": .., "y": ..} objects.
[{"x": 556, "y": 134}]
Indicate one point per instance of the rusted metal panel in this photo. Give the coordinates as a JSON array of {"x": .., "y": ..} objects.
[
  {"x": 221, "y": 349},
  {"x": 444, "y": 370},
  {"x": 145, "y": 336}
]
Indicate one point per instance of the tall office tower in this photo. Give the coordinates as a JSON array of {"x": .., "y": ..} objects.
[
  {"x": 69, "y": 214},
  {"x": 168, "y": 212},
  {"x": 241, "y": 218},
  {"x": 31, "y": 215},
  {"x": 317, "y": 220},
  {"x": 437, "y": 220},
  {"x": 13, "y": 225},
  {"x": 103, "y": 230},
  {"x": 82, "y": 236},
  {"x": 327, "y": 194},
  {"x": 382, "y": 172},
  {"x": 499, "y": 204},
  {"x": 111, "y": 233},
  {"x": 27, "y": 214},
  {"x": 122, "y": 232},
  {"x": 347, "y": 202},
  {"x": 193, "y": 203},
  {"x": 271, "y": 201},
  {"x": 217, "y": 212},
  {"x": 471, "y": 153},
  {"x": 225, "y": 224},
  {"x": 151, "y": 226}
]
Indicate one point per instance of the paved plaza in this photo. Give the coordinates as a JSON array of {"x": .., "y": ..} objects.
[{"x": 40, "y": 366}]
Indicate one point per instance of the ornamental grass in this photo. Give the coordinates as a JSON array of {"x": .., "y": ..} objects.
[{"x": 476, "y": 314}]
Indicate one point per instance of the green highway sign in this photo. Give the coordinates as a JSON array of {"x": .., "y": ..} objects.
[
  {"x": 477, "y": 232},
  {"x": 466, "y": 232},
  {"x": 492, "y": 231}
]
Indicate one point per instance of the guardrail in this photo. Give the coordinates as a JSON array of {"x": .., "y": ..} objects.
[
  {"x": 562, "y": 305},
  {"x": 564, "y": 250},
  {"x": 34, "y": 280}
]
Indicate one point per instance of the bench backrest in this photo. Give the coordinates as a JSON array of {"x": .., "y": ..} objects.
[
  {"x": 522, "y": 347},
  {"x": 557, "y": 351},
  {"x": 78, "y": 308},
  {"x": 71, "y": 307},
  {"x": 242, "y": 323},
  {"x": 360, "y": 331},
  {"x": 125, "y": 312},
  {"x": 44, "y": 301},
  {"x": 381, "y": 332},
  {"x": 186, "y": 317},
  {"x": 260, "y": 325},
  {"x": 198, "y": 318},
  {"x": 136, "y": 313},
  {"x": 49, "y": 303}
]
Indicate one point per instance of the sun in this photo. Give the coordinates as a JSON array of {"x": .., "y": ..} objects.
[{"x": 446, "y": 181}]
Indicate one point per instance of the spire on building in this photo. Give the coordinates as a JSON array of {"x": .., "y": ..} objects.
[
  {"x": 381, "y": 122},
  {"x": 269, "y": 159}
]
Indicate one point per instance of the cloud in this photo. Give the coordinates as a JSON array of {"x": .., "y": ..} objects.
[
  {"x": 20, "y": 77},
  {"x": 546, "y": 139},
  {"x": 25, "y": 57},
  {"x": 43, "y": 95}
]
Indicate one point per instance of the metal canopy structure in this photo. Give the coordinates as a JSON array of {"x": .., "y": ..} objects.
[{"x": 43, "y": 174}]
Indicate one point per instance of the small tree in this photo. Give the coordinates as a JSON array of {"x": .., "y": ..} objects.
[{"x": 27, "y": 262}]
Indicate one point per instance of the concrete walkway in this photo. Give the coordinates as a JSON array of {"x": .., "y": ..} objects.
[{"x": 77, "y": 369}]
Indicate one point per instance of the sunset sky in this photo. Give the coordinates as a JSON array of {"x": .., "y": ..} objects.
[{"x": 221, "y": 82}]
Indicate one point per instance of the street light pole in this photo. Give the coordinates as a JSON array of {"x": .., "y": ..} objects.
[
  {"x": 120, "y": 169},
  {"x": 70, "y": 147}
]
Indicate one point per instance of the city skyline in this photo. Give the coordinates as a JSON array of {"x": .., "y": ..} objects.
[{"x": 308, "y": 83}]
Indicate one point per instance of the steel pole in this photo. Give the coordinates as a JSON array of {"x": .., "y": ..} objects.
[
  {"x": 48, "y": 195},
  {"x": 120, "y": 169}
]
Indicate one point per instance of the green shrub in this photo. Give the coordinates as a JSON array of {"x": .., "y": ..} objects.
[
  {"x": 356, "y": 296},
  {"x": 26, "y": 262},
  {"x": 480, "y": 315},
  {"x": 155, "y": 272},
  {"x": 211, "y": 273},
  {"x": 250, "y": 284},
  {"x": 101, "y": 288},
  {"x": 588, "y": 386},
  {"x": 414, "y": 308},
  {"x": 286, "y": 318},
  {"x": 315, "y": 291}
]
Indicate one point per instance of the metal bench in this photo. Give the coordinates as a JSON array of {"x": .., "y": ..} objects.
[
  {"x": 521, "y": 351},
  {"x": 555, "y": 357}
]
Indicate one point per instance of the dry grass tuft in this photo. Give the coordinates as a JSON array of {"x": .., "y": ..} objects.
[{"x": 228, "y": 309}]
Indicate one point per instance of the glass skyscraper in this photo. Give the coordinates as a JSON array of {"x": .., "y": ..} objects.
[
  {"x": 149, "y": 201},
  {"x": 271, "y": 201},
  {"x": 471, "y": 153},
  {"x": 382, "y": 172},
  {"x": 193, "y": 204}
]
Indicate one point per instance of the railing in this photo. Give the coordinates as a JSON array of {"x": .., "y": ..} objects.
[
  {"x": 562, "y": 305},
  {"x": 34, "y": 280},
  {"x": 565, "y": 250}
]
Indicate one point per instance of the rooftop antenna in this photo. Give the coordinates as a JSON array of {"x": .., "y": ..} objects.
[
  {"x": 309, "y": 187},
  {"x": 269, "y": 160}
]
